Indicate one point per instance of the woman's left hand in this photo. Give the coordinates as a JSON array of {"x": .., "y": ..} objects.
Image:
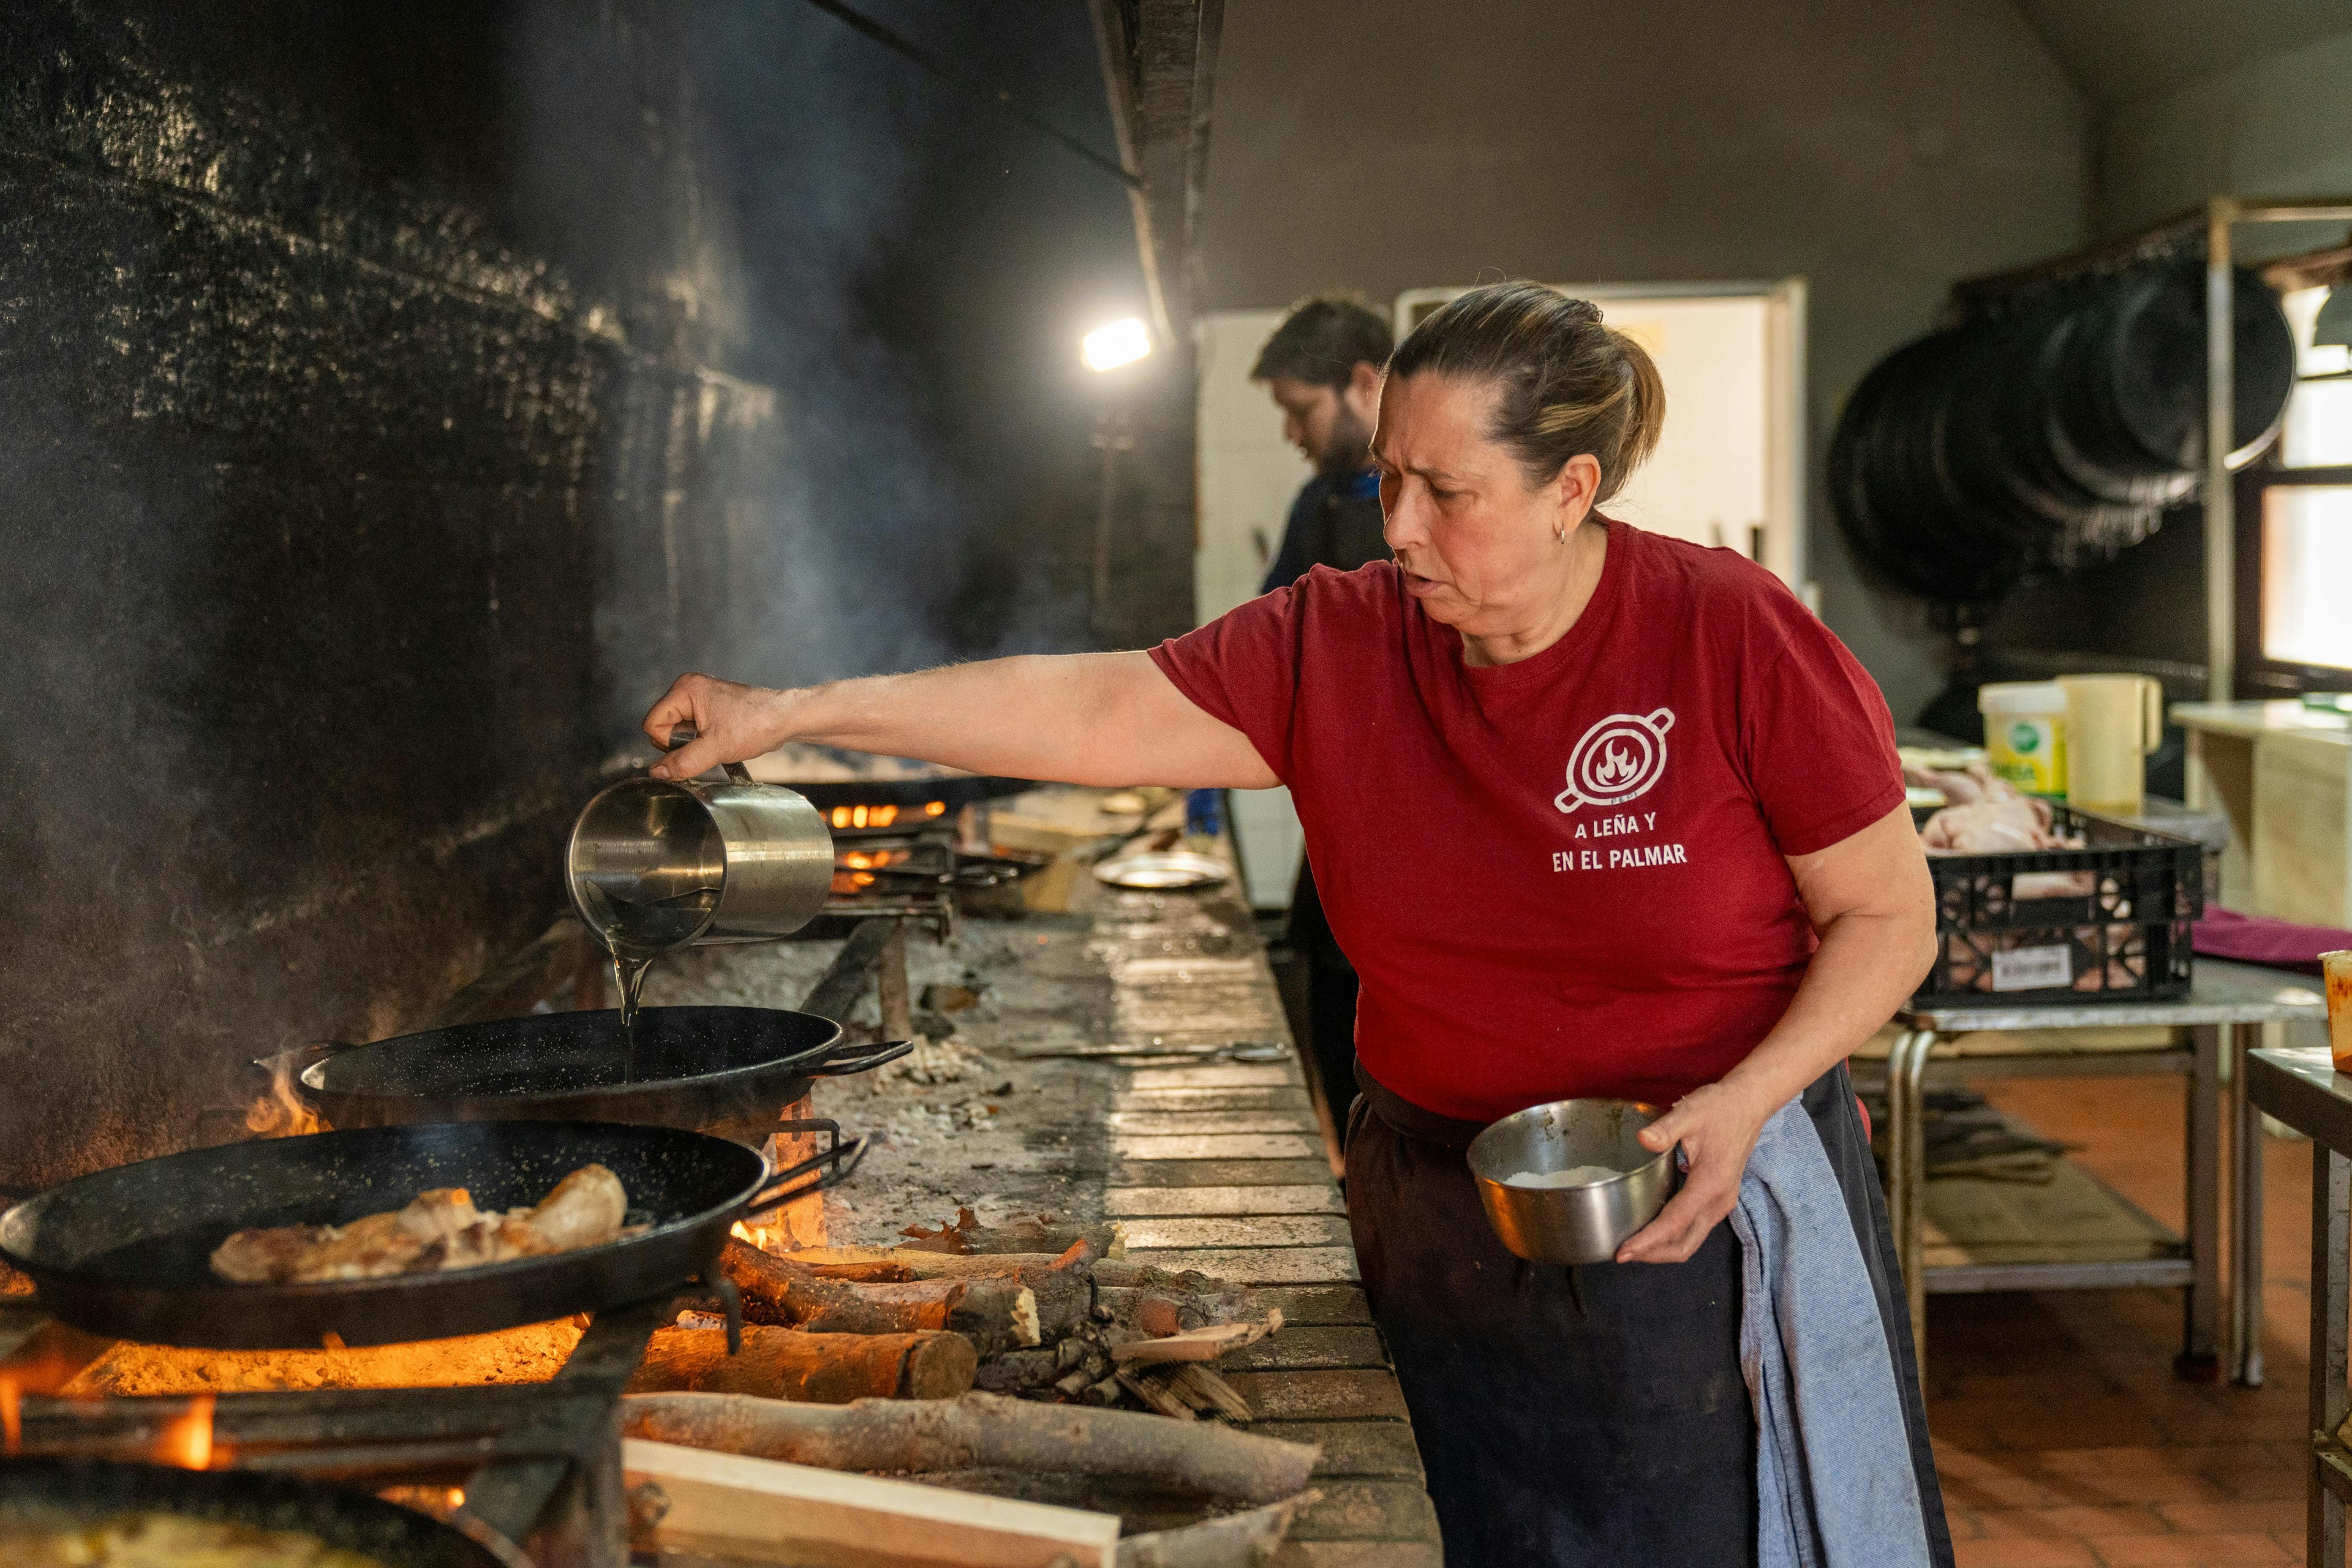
[{"x": 1717, "y": 1126}]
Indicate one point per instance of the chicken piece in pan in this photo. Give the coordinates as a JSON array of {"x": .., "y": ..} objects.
[{"x": 441, "y": 1229}]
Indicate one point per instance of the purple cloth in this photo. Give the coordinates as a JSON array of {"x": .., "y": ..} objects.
[{"x": 2258, "y": 938}]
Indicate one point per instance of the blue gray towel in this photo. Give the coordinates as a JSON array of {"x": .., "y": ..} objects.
[{"x": 1834, "y": 1482}]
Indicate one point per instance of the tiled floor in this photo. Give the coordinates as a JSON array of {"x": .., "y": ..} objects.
[{"x": 2061, "y": 1435}]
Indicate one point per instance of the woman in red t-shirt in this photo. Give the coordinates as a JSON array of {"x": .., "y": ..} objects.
[{"x": 1593, "y": 812}]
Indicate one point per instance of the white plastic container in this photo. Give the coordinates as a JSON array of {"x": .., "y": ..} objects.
[{"x": 2025, "y": 734}]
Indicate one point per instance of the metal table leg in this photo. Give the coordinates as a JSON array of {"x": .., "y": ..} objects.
[
  {"x": 2331, "y": 1285},
  {"x": 1907, "y": 1149},
  {"x": 2246, "y": 1214},
  {"x": 2199, "y": 1356}
]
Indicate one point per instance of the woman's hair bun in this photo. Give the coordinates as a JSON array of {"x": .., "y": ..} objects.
[{"x": 1569, "y": 384}]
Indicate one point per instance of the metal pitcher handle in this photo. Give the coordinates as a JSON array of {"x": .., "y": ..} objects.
[{"x": 681, "y": 734}]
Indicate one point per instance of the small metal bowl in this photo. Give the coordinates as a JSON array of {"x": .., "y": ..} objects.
[{"x": 1571, "y": 1225}]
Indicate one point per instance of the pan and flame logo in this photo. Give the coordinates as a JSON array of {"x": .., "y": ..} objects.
[{"x": 1619, "y": 758}]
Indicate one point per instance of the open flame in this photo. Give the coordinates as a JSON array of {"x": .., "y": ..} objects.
[
  {"x": 187, "y": 1442},
  {"x": 1615, "y": 768},
  {"x": 854, "y": 870},
  {"x": 881, "y": 815},
  {"x": 280, "y": 1113},
  {"x": 12, "y": 1418}
]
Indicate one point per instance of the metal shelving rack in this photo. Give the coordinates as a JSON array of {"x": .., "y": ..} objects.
[{"x": 2214, "y": 226}]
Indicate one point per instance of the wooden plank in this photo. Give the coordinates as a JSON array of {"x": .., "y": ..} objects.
[
  {"x": 1211, "y": 1099},
  {"x": 1367, "y": 1510},
  {"x": 1216, "y": 1146},
  {"x": 1165, "y": 1123},
  {"x": 1258, "y": 1266},
  {"x": 1319, "y": 1347},
  {"x": 1306, "y": 1197},
  {"x": 1353, "y": 1448},
  {"x": 1236, "y": 1075},
  {"x": 1238, "y": 1230},
  {"x": 1320, "y": 1396},
  {"x": 1360, "y": 1554},
  {"x": 763, "y": 1511},
  {"x": 1317, "y": 1305},
  {"x": 1218, "y": 1172}
]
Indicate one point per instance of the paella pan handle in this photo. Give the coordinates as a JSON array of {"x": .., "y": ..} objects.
[
  {"x": 684, "y": 734},
  {"x": 301, "y": 1059},
  {"x": 845, "y": 1059},
  {"x": 828, "y": 1167}
]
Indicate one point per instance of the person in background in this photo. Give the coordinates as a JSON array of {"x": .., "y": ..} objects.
[{"x": 1323, "y": 367}]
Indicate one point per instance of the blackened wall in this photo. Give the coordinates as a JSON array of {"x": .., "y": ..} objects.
[{"x": 326, "y": 445}]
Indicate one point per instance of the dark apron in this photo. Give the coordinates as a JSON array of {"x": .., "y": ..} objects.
[
  {"x": 1591, "y": 1416},
  {"x": 1331, "y": 996}
]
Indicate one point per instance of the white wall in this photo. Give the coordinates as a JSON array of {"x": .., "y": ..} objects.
[
  {"x": 2281, "y": 126},
  {"x": 1248, "y": 478}
]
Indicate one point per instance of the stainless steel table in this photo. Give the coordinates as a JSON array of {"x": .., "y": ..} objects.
[
  {"x": 2302, "y": 1089},
  {"x": 1933, "y": 1043}
]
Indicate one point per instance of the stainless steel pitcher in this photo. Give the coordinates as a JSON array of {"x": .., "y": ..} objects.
[{"x": 658, "y": 863}]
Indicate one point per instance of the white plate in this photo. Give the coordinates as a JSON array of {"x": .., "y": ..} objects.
[{"x": 1155, "y": 872}]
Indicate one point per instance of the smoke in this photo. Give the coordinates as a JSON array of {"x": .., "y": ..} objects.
[{"x": 840, "y": 446}]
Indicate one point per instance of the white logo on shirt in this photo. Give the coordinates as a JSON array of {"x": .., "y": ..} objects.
[{"x": 1619, "y": 758}]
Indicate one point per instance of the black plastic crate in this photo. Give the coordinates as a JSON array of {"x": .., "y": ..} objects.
[{"x": 2119, "y": 933}]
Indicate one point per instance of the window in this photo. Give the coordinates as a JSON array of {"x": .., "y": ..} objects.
[
  {"x": 2306, "y": 568},
  {"x": 2319, "y": 431},
  {"x": 2299, "y": 502}
]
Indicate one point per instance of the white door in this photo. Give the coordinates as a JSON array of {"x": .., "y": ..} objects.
[
  {"x": 1247, "y": 477},
  {"x": 1729, "y": 469}
]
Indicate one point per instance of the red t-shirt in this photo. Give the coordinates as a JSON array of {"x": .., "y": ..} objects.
[{"x": 1633, "y": 935}]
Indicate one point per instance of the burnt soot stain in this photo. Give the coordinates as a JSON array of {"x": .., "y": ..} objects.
[{"x": 391, "y": 400}]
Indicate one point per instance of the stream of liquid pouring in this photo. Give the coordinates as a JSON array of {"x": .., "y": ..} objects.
[{"x": 629, "y": 976}]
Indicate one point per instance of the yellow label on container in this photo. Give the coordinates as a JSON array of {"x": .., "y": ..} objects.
[{"x": 2029, "y": 752}]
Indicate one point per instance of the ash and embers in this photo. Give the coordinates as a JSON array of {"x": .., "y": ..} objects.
[{"x": 969, "y": 1118}]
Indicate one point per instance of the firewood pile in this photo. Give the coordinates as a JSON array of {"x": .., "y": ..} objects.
[
  {"x": 951, "y": 1311},
  {"x": 941, "y": 1361}
]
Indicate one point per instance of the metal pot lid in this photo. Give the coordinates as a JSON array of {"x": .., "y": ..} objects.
[{"x": 1175, "y": 868}]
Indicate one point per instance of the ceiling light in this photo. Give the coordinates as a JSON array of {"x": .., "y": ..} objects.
[{"x": 1121, "y": 342}]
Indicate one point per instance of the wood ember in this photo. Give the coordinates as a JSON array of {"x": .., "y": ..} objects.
[
  {"x": 1063, "y": 1298},
  {"x": 997, "y": 1315},
  {"x": 979, "y": 1430},
  {"x": 826, "y": 1369},
  {"x": 1092, "y": 1339}
]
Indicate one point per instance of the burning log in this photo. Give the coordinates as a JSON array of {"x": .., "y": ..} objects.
[
  {"x": 1063, "y": 1298},
  {"x": 980, "y": 1431},
  {"x": 828, "y": 1369},
  {"x": 996, "y": 1314}
]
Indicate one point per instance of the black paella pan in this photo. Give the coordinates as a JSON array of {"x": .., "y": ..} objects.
[
  {"x": 126, "y": 1252},
  {"x": 697, "y": 1068},
  {"x": 43, "y": 1495}
]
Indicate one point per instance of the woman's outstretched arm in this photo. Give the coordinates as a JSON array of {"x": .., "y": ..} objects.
[{"x": 1107, "y": 718}]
